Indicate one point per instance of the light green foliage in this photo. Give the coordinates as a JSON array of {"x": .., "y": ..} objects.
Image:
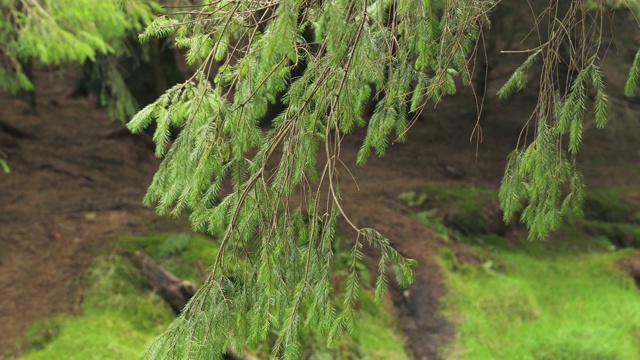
[
  {"x": 536, "y": 176},
  {"x": 5, "y": 167},
  {"x": 538, "y": 304},
  {"x": 54, "y": 32},
  {"x": 375, "y": 334},
  {"x": 634, "y": 76},
  {"x": 537, "y": 173},
  {"x": 352, "y": 57},
  {"x": 518, "y": 79},
  {"x": 47, "y": 32},
  {"x": 541, "y": 183},
  {"x": 265, "y": 191}
]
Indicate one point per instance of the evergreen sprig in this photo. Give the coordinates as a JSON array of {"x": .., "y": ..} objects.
[
  {"x": 265, "y": 191},
  {"x": 541, "y": 182},
  {"x": 62, "y": 31},
  {"x": 634, "y": 76},
  {"x": 518, "y": 80}
]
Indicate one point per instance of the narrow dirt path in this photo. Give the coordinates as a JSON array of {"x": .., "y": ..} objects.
[
  {"x": 417, "y": 307},
  {"x": 438, "y": 151}
]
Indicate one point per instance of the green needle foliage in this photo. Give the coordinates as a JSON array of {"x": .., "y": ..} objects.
[
  {"x": 266, "y": 191},
  {"x": 71, "y": 31},
  {"x": 541, "y": 182},
  {"x": 274, "y": 193}
]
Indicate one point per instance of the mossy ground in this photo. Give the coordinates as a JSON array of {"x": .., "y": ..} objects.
[
  {"x": 523, "y": 305},
  {"x": 465, "y": 208},
  {"x": 120, "y": 315},
  {"x": 557, "y": 299}
]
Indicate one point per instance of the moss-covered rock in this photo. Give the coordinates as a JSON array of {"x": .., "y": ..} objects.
[
  {"x": 468, "y": 209},
  {"x": 608, "y": 205},
  {"x": 619, "y": 234}
]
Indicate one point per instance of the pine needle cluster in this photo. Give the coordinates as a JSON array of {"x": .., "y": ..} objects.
[
  {"x": 52, "y": 32},
  {"x": 541, "y": 182},
  {"x": 274, "y": 194}
]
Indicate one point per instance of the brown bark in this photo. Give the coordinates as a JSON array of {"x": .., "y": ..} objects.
[{"x": 174, "y": 290}]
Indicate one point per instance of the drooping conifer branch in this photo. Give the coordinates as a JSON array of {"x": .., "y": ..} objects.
[
  {"x": 356, "y": 51},
  {"x": 273, "y": 193},
  {"x": 544, "y": 164}
]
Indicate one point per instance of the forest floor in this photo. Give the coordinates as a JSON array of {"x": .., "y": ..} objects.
[{"x": 76, "y": 186}]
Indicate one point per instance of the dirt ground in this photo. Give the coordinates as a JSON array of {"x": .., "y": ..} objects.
[
  {"x": 76, "y": 186},
  {"x": 71, "y": 192}
]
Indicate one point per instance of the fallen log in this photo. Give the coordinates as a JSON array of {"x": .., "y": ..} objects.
[{"x": 174, "y": 290}]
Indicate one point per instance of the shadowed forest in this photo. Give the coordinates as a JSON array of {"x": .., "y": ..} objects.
[{"x": 76, "y": 240}]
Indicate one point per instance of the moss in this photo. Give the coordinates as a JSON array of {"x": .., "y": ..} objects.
[
  {"x": 448, "y": 259},
  {"x": 574, "y": 347},
  {"x": 468, "y": 209},
  {"x": 180, "y": 253},
  {"x": 412, "y": 198},
  {"x": 620, "y": 235},
  {"x": 608, "y": 205},
  {"x": 95, "y": 336},
  {"x": 434, "y": 220},
  {"x": 40, "y": 334},
  {"x": 121, "y": 315},
  {"x": 544, "y": 307},
  {"x": 377, "y": 338}
]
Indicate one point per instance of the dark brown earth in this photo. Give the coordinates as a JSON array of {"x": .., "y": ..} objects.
[
  {"x": 71, "y": 192},
  {"x": 74, "y": 189}
]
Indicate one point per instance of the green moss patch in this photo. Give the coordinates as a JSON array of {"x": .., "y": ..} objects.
[
  {"x": 184, "y": 254},
  {"x": 562, "y": 298},
  {"x": 620, "y": 235},
  {"x": 608, "y": 205},
  {"x": 467, "y": 209},
  {"x": 120, "y": 315},
  {"x": 544, "y": 307}
]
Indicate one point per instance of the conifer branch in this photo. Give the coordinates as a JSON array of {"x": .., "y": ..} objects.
[{"x": 324, "y": 62}]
